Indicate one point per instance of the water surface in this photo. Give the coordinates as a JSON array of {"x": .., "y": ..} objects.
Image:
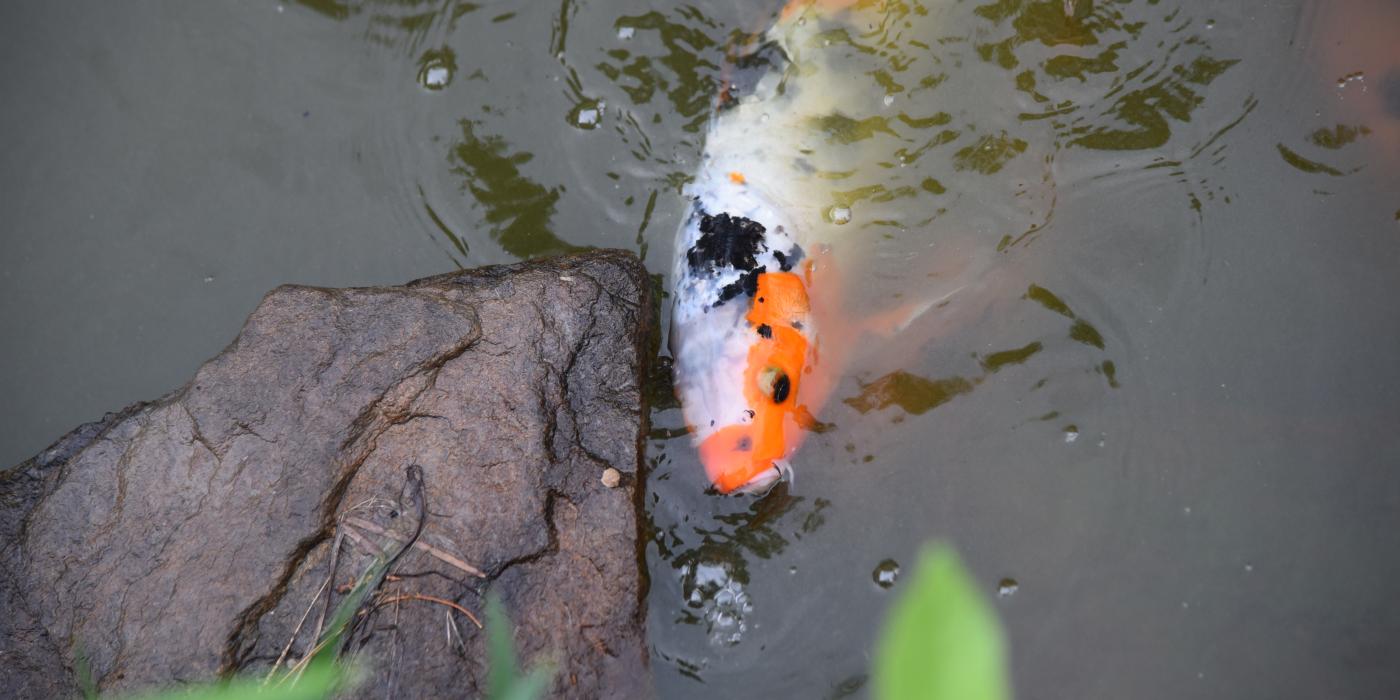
[{"x": 1163, "y": 436}]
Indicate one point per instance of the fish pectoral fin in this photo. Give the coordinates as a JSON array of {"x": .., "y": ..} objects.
[
  {"x": 894, "y": 321},
  {"x": 807, "y": 421}
]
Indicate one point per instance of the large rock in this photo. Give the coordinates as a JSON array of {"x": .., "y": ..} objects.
[{"x": 189, "y": 537}]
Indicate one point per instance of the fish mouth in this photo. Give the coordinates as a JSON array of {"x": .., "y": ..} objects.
[{"x": 764, "y": 481}]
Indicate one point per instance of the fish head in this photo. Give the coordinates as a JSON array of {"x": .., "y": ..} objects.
[{"x": 741, "y": 390}]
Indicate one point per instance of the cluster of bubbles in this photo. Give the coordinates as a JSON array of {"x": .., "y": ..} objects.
[{"x": 712, "y": 591}]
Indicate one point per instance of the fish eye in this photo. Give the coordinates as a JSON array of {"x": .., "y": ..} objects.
[
  {"x": 774, "y": 383},
  {"x": 781, "y": 387}
]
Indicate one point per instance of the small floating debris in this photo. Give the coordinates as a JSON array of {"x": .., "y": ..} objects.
[
  {"x": 1007, "y": 587},
  {"x": 625, "y": 33},
  {"x": 885, "y": 574}
]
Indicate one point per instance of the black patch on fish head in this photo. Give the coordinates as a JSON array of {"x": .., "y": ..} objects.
[
  {"x": 765, "y": 330},
  {"x": 747, "y": 285},
  {"x": 789, "y": 259},
  {"x": 727, "y": 241}
]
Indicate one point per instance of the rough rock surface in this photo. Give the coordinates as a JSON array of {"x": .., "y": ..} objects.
[{"x": 189, "y": 537}]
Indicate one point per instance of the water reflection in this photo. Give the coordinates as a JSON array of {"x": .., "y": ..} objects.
[
  {"x": 393, "y": 23},
  {"x": 916, "y": 395},
  {"x": 1333, "y": 139},
  {"x": 1090, "y": 40},
  {"x": 518, "y": 210},
  {"x": 712, "y": 558},
  {"x": 683, "y": 73}
]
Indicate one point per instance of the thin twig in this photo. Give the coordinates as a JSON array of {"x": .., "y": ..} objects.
[
  {"x": 427, "y": 548},
  {"x": 281, "y": 657},
  {"x": 432, "y": 599}
]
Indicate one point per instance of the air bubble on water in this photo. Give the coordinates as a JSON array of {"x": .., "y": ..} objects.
[
  {"x": 1007, "y": 587},
  {"x": 587, "y": 115},
  {"x": 626, "y": 32},
  {"x": 839, "y": 215},
  {"x": 1071, "y": 434},
  {"x": 885, "y": 573},
  {"x": 208, "y": 279},
  {"x": 889, "y": 100},
  {"x": 435, "y": 69},
  {"x": 1210, "y": 24},
  {"x": 436, "y": 78},
  {"x": 725, "y": 616}
]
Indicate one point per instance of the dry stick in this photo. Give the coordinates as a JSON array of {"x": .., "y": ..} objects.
[
  {"x": 427, "y": 548},
  {"x": 362, "y": 540},
  {"x": 281, "y": 657},
  {"x": 412, "y": 492},
  {"x": 393, "y": 660},
  {"x": 432, "y": 599}
]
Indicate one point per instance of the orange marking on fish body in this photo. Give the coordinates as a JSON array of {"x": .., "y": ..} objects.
[{"x": 737, "y": 178}]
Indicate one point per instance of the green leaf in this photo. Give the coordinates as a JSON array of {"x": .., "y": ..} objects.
[
  {"x": 503, "y": 679},
  {"x": 501, "y": 670},
  {"x": 318, "y": 682},
  {"x": 941, "y": 640}
]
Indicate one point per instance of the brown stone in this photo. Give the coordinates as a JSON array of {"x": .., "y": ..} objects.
[{"x": 186, "y": 537}]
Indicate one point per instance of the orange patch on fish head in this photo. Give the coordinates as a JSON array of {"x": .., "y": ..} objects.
[{"x": 737, "y": 454}]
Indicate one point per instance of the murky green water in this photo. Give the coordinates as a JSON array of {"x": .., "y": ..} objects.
[{"x": 1165, "y": 437}]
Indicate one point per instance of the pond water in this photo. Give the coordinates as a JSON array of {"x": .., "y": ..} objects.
[{"x": 1163, "y": 434}]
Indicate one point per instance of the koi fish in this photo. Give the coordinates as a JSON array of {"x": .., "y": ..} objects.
[{"x": 753, "y": 282}]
